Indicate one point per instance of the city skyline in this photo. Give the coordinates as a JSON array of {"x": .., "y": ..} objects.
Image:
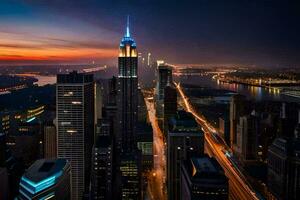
[
  {"x": 148, "y": 129},
  {"x": 254, "y": 33}
]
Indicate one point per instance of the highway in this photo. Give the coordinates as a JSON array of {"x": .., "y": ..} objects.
[
  {"x": 156, "y": 179},
  {"x": 239, "y": 188}
]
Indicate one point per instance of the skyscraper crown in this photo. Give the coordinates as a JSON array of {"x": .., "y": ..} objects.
[{"x": 127, "y": 37}]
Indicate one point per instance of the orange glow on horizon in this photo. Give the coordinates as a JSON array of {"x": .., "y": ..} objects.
[{"x": 54, "y": 54}]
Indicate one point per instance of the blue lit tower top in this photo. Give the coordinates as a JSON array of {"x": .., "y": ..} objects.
[
  {"x": 127, "y": 44},
  {"x": 41, "y": 179}
]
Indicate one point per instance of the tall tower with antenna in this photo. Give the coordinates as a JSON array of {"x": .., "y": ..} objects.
[
  {"x": 127, "y": 101},
  {"x": 127, "y": 91}
]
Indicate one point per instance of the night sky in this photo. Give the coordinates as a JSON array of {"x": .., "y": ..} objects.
[{"x": 250, "y": 33}]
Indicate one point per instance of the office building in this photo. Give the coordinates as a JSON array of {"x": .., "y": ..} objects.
[
  {"x": 203, "y": 178},
  {"x": 128, "y": 91},
  {"x": 284, "y": 166},
  {"x": 46, "y": 179},
  {"x": 98, "y": 101},
  {"x": 50, "y": 141},
  {"x": 75, "y": 126},
  {"x": 102, "y": 168},
  {"x": 224, "y": 128},
  {"x": 145, "y": 145},
  {"x": 237, "y": 109},
  {"x": 247, "y": 133},
  {"x": 142, "y": 108},
  {"x": 185, "y": 140},
  {"x": 130, "y": 168},
  {"x": 25, "y": 142},
  {"x": 4, "y": 122},
  {"x": 164, "y": 78},
  {"x": 11, "y": 170},
  {"x": 170, "y": 106}
]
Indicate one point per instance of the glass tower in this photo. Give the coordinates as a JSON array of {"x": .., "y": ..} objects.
[{"x": 75, "y": 126}]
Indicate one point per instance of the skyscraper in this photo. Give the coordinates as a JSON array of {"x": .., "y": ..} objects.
[
  {"x": 164, "y": 79},
  {"x": 75, "y": 126},
  {"x": 203, "y": 178},
  {"x": 185, "y": 139},
  {"x": 170, "y": 106},
  {"x": 127, "y": 103},
  {"x": 128, "y": 91},
  {"x": 102, "y": 168},
  {"x": 237, "y": 105},
  {"x": 284, "y": 165},
  {"x": 46, "y": 179}
]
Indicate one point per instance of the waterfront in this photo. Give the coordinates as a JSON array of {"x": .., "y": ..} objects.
[
  {"x": 44, "y": 80},
  {"x": 251, "y": 92},
  {"x": 41, "y": 79}
]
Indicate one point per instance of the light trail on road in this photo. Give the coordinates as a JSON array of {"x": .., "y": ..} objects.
[
  {"x": 238, "y": 184},
  {"x": 156, "y": 179}
]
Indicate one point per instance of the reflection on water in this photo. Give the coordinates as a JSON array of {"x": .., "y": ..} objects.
[
  {"x": 253, "y": 92},
  {"x": 44, "y": 80}
]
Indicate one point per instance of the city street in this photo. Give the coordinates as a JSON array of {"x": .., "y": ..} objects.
[
  {"x": 239, "y": 189},
  {"x": 156, "y": 179}
]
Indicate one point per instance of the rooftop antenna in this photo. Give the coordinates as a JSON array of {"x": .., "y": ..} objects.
[{"x": 127, "y": 27}]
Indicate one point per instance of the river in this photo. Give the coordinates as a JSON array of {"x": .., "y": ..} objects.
[
  {"x": 44, "y": 80},
  {"x": 251, "y": 92}
]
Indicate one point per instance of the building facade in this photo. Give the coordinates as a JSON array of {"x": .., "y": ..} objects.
[
  {"x": 50, "y": 141},
  {"x": 127, "y": 91},
  {"x": 185, "y": 139},
  {"x": 102, "y": 168},
  {"x": 75, "y": 126},
  {"x": 203, "y": 178}
]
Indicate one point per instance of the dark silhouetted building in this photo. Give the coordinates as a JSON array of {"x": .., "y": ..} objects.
[
  {"x": 50, "y": 144},
  {"x": 130, "y": 168},
  {"x": 102, "y": 168},
  {"x": 11, "y": 170},
  {"x": 247, "y": 138},
  {"x": 46, "y": 179},
  {"x": 224, "y": 129},
  {"x": 237, "y": 107},
  {"x": 145, "y": 145},
  {"x": 25, "y": 142},
  {"x": 284, "y": 166},
  {"x": 170, "y": 106},
  {"x": 4, "y": 188},
  {"x": 185, "y": 139},
  {"x": 203, "y": 178},
  {"x": 75, "y": 126},
  {"x": 164, "y": 78}
]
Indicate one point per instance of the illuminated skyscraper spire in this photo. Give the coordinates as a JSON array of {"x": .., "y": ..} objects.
[{"x": 127, "y": 28}]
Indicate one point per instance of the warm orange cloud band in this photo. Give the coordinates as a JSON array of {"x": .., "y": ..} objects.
[{"x": 52, "y": 54}]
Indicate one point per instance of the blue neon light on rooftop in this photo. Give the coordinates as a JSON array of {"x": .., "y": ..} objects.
[
  {"x": 34, "y": 188},
  {"x": 30, "y": 120}
]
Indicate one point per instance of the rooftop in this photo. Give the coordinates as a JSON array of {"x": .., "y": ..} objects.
[
  {"x": 75, "y": 77},
  {"x": 183, "y": 121},
  {"x": 203, "y": 168},
  {"x": 44, "y": 169}
]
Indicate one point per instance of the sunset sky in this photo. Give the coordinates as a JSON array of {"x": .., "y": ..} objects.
[{"x": 256, "y": 33}]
